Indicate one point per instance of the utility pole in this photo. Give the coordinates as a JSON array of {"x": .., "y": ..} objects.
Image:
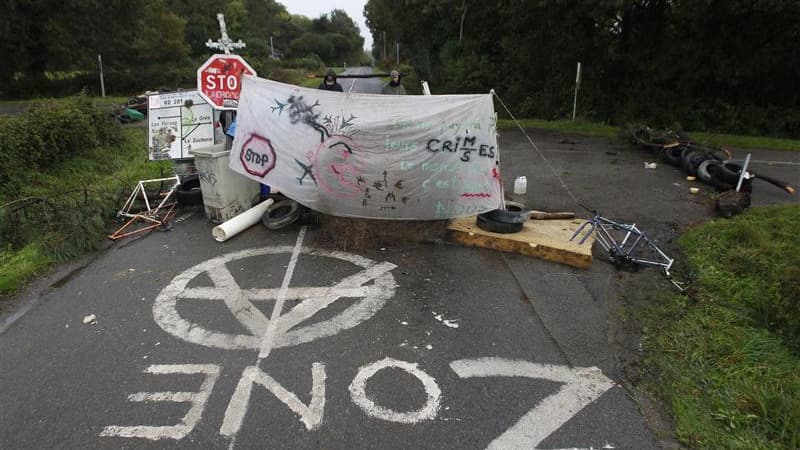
[{"x": 384, "y": 46}]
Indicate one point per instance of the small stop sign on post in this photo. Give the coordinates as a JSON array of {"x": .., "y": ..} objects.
[{"x": 219, "y": 80}]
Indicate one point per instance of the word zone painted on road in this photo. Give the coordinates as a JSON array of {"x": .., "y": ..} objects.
[
  {"x": 581, "y": 386},
  {"x": 371, "y": 286}
]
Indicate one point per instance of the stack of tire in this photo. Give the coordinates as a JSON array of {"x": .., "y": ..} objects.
[{"x": 711, "y": 165}]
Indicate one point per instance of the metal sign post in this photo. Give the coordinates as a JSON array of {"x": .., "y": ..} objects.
[
  {"x": 102, "y": 82},
  {"x": 219, "y": 78},
  {"x": 577, "y": 84}
]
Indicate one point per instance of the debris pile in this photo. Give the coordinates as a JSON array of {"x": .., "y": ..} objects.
[{"x": 713, "y": 166}]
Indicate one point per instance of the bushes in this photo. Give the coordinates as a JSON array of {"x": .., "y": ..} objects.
[
  {"x": 63, "y": 212},
  {"x": 48, "y": 133},
  {"x": 50, "y": 159},
  {"x": 311, "y": 63}
]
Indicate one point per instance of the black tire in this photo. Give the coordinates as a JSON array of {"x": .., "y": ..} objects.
[
  {"x": 686, "y": 158},
  {"x": 703, "y": 169},
  {"x": 673, "y": 155},
  {"x": 515, "y": 206},
  {"x": 487, "y": 223},
  {"x": 721, "y": 154},
  {"x": 693, "y": 160},
  {"x": 189, "y": 193},
  {"x": 281, "y": 214},
  {"x": 515, "y": 213},
  {"x": 728, "y": 172},
  {"x": 308, "y": 216},
  {"x": 720, "y": 180}
]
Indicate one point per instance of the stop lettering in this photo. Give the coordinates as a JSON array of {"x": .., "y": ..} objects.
[
  {"x": 257, "y": 156},
  {"x": 219, "y": 80}
]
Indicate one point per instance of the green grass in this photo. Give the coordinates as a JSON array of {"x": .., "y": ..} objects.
[
  {"x": 101, "y": 175},
  {"x": 585, "y": 128},
  {"x": 728, "y": 357},
  {"x": 311, "y": 83},
  {"x": 581, "y": 127},
  {"x": 17, "y": 267},
  {"x": 731, "y": 140}
]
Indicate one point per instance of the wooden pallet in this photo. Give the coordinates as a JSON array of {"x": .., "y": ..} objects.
[{"x": 546, "y": 239}]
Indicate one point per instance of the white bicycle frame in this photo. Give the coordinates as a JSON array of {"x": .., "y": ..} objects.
[{"x": 139, "y": 189}]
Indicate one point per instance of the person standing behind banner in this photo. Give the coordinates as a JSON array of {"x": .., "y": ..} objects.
[
  {"x": 394, "y": 87},
  {"x": 329, "y": 83}
]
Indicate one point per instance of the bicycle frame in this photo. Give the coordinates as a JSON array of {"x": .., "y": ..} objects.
[
  {"x": 140, "y": 190},
  {"x": 630, "y": 248}
]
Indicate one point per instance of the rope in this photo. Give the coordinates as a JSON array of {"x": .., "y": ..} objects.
[{"x": 560, "y": 180}]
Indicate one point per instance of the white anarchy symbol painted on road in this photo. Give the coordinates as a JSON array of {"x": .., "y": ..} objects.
[{"x": 369, "y": 299}]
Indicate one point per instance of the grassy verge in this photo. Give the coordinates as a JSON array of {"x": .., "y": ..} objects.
[
  {"x": 728, "y": 357},
  {"x": 17, "y": 267},
  {"x": 731, "y": 140},
  {"x": 90, "y": 184},
  {"x": 580, "y": 127},
  {"x": 593, "y": 129}
]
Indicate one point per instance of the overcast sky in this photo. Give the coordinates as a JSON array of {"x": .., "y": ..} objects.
[{"x": 315, "y": 8}]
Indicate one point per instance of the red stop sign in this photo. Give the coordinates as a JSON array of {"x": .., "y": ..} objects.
[{"x": 219, "y": 80}]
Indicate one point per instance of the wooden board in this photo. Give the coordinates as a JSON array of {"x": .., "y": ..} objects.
[{"x": 546, "y": 239}]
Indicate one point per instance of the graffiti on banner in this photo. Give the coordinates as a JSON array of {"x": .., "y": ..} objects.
[{"x": 370, "y": 156}]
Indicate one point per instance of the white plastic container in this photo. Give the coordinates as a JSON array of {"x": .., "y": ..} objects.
[
  {"x": 226, "y": 194},
  {"x": 520, "y": 185}
]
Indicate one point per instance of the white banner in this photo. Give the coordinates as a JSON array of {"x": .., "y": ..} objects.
[{"x": 371, "y": 156}]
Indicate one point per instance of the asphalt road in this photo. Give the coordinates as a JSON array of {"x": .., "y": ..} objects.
[
  {"x": 361, "y": 85},
  {"x": 275, "y": 340}
]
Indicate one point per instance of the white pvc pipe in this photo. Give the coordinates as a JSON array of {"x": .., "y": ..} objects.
[{"x": 243, "y": 221}]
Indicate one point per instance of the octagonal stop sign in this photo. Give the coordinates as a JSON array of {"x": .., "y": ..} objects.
[{"x": 219, "y": 80}]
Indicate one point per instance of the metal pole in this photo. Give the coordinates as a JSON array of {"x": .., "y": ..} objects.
[
  {"x": 398, "y": 54},
  {"x": 271, "y": 48},
  {"x": 384, "y": 46},
  {"x": 577, "y": 83},
  {"x": 102, "y": 82},
  {"x": 743, "y": 174}
]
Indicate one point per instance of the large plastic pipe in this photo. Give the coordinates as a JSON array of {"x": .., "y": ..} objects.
[{"x": 243, "y": 221}]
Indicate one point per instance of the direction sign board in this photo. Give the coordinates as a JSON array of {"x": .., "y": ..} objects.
[
  {"x": 178, "y": 122},
  {"x": 219, "y": 80}
]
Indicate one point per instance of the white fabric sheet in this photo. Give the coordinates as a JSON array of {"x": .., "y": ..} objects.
[{"x": 370, "y": 156}]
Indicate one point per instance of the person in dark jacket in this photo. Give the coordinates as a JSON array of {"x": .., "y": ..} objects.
[
  {"x": 330, "y": 84},
  {"x": 394, "y": 87}
]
